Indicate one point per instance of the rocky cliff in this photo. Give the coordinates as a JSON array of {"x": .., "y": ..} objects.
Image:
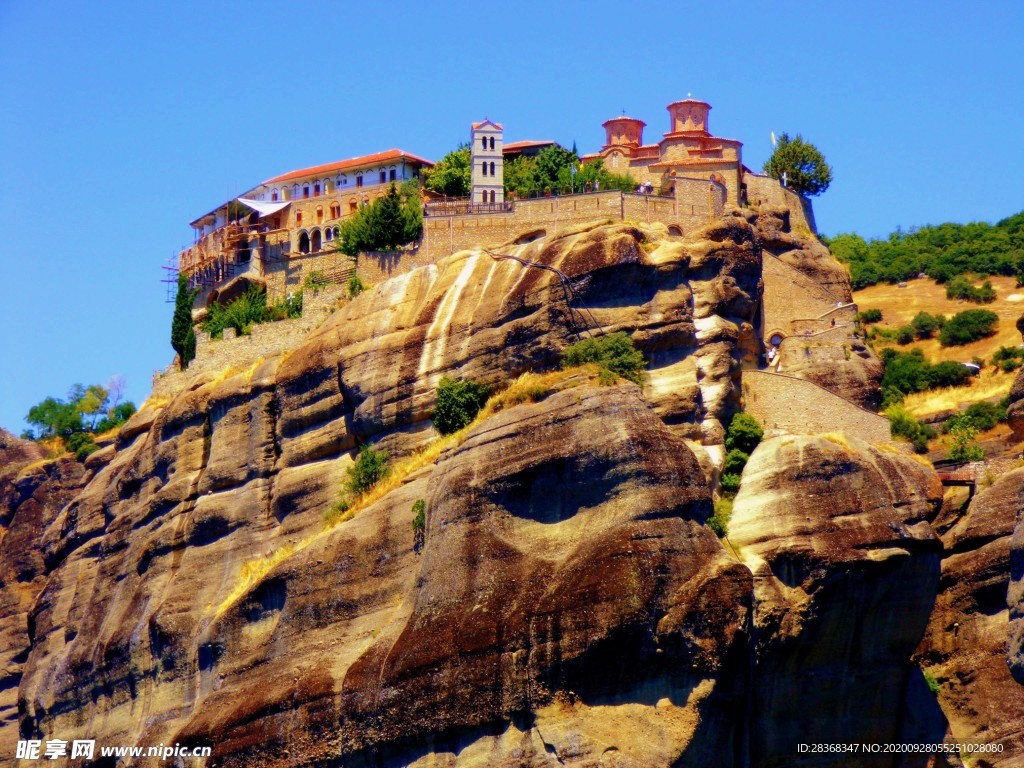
[{"x": 568, "y": 603}]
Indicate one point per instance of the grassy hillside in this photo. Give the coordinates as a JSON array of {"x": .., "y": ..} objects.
[{"x": 899, "y": 305}]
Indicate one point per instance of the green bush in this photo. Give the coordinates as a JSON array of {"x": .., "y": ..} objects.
[
  {"x": 316, "y": 281},
  {"x": 903, "y": 424},
  {"x": 873, "y": 315},
  {"x": 964, "y": 447},
  {"x": 355, "y": 286},
  {"x": 183, "y": 337},
  {"x": 458, "y": 403},
  {"x": 904, "y": 334},
  {"x": 1008, "y": 358},
  {"x": 978, "y": 416},
  {"x": 908, "y": 372},
  {"x": 960, "y": 287},
  {"x": 614, "y": 352},
  {"x": 730, "y": 483},
  {"x": 735, "y": 461},
  {"x": 82, "y": 444},
  {"x": 419, "y": 523},
  {"x": 925, "y": 325},
  {"x": 931, "y": 682},
  {"x": 743, "y": 434},
  {"x": 371, "y": 467},
  {"x": 970, "y": 325},
  {"x": 241, "y": 313},
  {"x": 719, "y": 521},
  {"x": 118, "y": 415}
]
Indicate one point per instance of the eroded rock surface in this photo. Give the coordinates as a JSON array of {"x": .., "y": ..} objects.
[
  {"x": 845, "y": 570},
  {"x": 965, "y": 646}
]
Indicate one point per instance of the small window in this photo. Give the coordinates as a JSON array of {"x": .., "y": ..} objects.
[
  {"x": 316, "y": 190},
  {"x": 298, "y": 218},
  {"x": 483, "y": 169},
  {"x": 353, "y": 206},
  {"x": 383, "y": 176},
  {"x": 492, "y": 195},
  {"x": 492, "y": 170},
  {"x": 305, "y": 191},
  {"x": 492, "y": 145},
  {"x": 483, "y": 196},
  {"x": 393, "y": 175},
  {"x": 273, "y": 196},
  {"x": 483, "y": 141},
  {"x": 359, "y": 181},
  {"x": 319, "y": 213}
]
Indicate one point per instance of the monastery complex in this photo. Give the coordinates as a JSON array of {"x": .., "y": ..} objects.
[{"x": 282, "y": 230}]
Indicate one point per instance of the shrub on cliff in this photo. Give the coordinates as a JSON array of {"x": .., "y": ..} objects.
[
  {"x": 371, "y": 466},
  {"x": 903, "y": 424},
  {"x": 458, "y": 403},
  {"x": 970, "y": 325},
  {"x": 964, "y": 447},
  {"x": 978, "y": 416},
  {"x": 614, "y": 353},
  {"x": 743, "y": 434}
]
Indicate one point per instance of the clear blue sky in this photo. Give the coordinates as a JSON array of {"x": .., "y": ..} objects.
[{"x": 122, "y": 121}]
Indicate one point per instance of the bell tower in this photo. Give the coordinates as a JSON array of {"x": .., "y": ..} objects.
[{"x": 487, "y": 170}]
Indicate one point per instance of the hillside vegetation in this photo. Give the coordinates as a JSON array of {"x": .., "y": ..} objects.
[{"x": 942, "y": 252}]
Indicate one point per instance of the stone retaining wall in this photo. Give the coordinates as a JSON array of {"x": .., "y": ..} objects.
[
  {"x": 794, "y": 405},
  {"x": 239, "y": 352}
]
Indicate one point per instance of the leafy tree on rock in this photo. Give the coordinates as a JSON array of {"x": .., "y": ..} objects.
[{"x": 806, "y": 171}]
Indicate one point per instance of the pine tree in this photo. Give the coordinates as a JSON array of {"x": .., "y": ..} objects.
[{"x": 183, "y": 336}]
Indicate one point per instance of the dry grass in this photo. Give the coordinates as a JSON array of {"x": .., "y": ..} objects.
[
  {"x": 989, "y": 384},
  {"x": 838, "y": 438},
  {"x": 529, "y": 387},
  {"x": 899, "y": 305}
]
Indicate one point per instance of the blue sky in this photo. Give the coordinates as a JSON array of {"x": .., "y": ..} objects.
[{"x": 123, "y": 121}]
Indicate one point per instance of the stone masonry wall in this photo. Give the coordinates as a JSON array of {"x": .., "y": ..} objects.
[
  {"x": 795, "y": 405},
  {"x": 791, "y": 296},
  {"x": 765, "y": 189},
  {"x": 240, "y": 352}
]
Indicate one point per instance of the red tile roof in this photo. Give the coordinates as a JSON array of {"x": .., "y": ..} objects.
[
  {"x": 513, "y": 146},
  {"x": 345, "y": 165},
  {"x": 488, "y": 122}
]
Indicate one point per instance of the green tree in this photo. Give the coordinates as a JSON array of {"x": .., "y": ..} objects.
[
  {"x": 458, "y": 403},
  {"x": 183, "y": 336},
  {"x": 925, "y": 325},
  {"x": 386, "y": 223},
  {"x": 55, "y": 418},
  {"x": 806, "y": 171},
  {"x": 451, "y": 174}
]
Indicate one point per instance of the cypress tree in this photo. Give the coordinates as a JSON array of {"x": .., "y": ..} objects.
[{"x": 183, "y": 336}]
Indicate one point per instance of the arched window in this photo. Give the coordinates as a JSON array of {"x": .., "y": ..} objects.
[
  {"x": 483, "y": 141},
  {"x": 303, "y": 243},
  {"x": 273, "y": 196},
  {"x": 492, "y": 195},
  {"x": 483, "y": 169},
  {"x": 359, "y": 180},
  {"x": 483, "y": 196},
  {"x": 328, "y": 186},
  {"x": 492, "y": 169},
  {"x": 316, "y": 190},
  {"x": 492, "y": 142},
  {"x": 295, "y": 190},
  {"x": 328, "y": 234},
  {"x": 315, "y": 241},
  {"x": 305, "y": 190}
]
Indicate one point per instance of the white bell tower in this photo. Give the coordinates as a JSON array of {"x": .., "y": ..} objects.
[{"x": 488, "y": 173}]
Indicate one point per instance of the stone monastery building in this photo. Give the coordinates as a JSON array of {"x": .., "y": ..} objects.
[{"x": 282, "y": 230}]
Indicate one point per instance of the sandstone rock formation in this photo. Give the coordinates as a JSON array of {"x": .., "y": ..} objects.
[
  {"x": 569, "y": 604},
  {"x": 32, "y": 492},
  {"x": 845, "y": 568},
  {"x": 965, "y": 646}
]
